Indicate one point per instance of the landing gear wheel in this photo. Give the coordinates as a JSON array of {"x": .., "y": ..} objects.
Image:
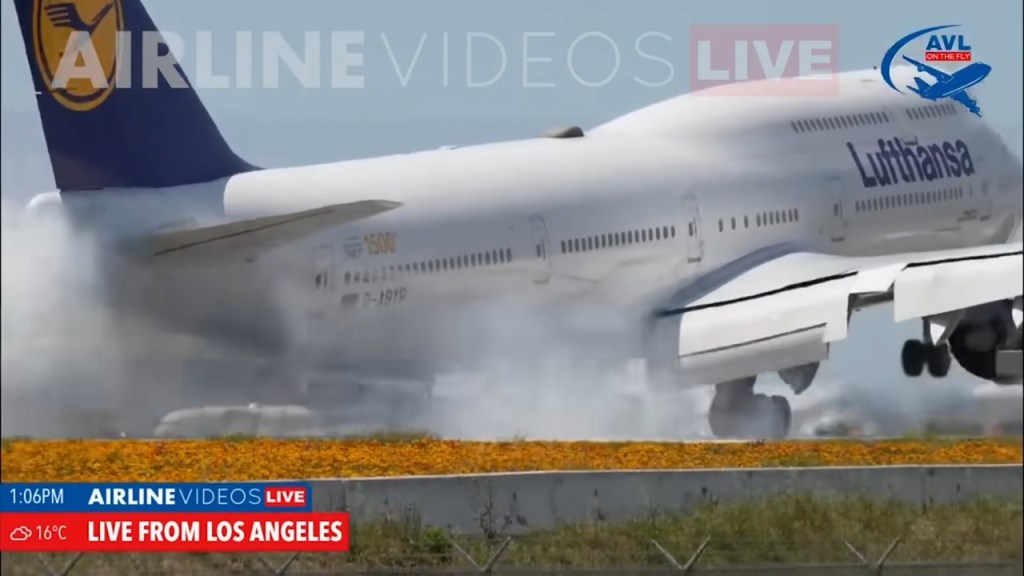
[
  {"x": 783, "y": 417},
  {"x": 739, "y": 413},
  {"x": 913, "y": 357},
  {"x": 722, "y": 423},
  {"x": 939, "y": 360},
  {"x": 1017, "y": 340}
]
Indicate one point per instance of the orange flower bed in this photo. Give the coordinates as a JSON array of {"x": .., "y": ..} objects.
[{"x": 266, "y": 459}]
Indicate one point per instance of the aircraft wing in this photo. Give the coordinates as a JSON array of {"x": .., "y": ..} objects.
[
  {"x": 799, "y": 299},
  {"x": 922, "y": 67},
  {"x": 966, "y": 100},
  {"x": 244, "y": 238}
]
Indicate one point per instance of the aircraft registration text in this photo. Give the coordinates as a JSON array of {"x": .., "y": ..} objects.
[{"x": 383, "y": 298}]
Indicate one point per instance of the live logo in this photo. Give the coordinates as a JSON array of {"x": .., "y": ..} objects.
[
  {"x": 284, "y": 497},
  {"x": 725, "y": 56}
]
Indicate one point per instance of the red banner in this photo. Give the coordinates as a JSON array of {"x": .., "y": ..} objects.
[{"x": 175, "y": 532}]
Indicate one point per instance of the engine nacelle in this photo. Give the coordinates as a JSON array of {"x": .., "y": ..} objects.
[
  {"x": 980, "y": 334},
  {"x": 800, "y": 378},
  {"x": 689, "y": 351}
]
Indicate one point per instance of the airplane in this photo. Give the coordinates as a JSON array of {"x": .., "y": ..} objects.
[
  {"x": 953, "y": 86},
  {"x": 738, "y": 235}
]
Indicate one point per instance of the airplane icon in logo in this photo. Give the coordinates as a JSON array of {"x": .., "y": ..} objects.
[{"x": 953, "y": 86}]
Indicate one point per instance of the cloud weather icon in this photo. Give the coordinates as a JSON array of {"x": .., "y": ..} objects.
[{"x": 20, "y": 534}]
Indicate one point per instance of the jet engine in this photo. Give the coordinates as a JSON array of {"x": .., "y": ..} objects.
[
  {"x": 981, "y": 333},
  {"x": 800, "y": 378}
]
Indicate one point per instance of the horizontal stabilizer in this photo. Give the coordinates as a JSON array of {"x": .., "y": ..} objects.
[
  {"x": 920, "y": 88},
  {"x": 248, "y": 237}
]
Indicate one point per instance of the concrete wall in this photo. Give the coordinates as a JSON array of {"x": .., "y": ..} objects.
[
  {"x": 522, "y": 501},
  {"x": 852, "y": 570}
]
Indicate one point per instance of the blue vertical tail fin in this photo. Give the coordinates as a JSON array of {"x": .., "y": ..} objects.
[{"x": 107, "y": 123}]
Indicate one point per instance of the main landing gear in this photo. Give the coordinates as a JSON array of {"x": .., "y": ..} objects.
[
  {"x": 917, "y": 354},
  {"x": 737, "y": 412}
]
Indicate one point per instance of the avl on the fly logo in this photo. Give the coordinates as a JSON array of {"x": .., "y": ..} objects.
[
  {"x": 727, "y": 56},
  {"x": 939, "y": 84}
]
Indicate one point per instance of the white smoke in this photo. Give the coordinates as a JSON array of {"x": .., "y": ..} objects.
[
  {"x": 547, "y": 375},
  {"x": 565, "y": 373},
  {"x": 73, "y": 367},
  {"x": 68, "y": 360},
  {"x": 48, "y": 321}
]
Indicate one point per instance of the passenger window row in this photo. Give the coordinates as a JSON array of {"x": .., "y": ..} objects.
[
  {"x": 909, "y": 199},
  {"x": 932, "y": 111},
  {"x": 389, "y": 273},
  {"x": 772, "y": 218},
  {"x": 839, "y": 122},
  {"x": 614, "y": 239}
]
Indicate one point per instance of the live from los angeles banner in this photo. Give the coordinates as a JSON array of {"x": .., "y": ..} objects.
[{"x": 214, "y": 517}]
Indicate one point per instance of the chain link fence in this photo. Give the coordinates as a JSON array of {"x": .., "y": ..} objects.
[{"x": 441, "y": 554}]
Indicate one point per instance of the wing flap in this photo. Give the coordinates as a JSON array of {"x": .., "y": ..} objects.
[
  {"x": 877, "y": 280},
  {"x": 934, "y": 288},
  {"x": 804, "y": 293},
  {"x": 244, "y": 238},
  {"x": 822, "y": 305}
]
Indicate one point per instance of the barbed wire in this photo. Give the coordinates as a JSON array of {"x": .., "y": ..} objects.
[{"x": 462, "y": 555}]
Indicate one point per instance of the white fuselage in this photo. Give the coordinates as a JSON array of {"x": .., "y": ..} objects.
[{"x": 636, "y": 208}]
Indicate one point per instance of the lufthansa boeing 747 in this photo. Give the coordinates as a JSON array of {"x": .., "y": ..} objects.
[{"x": 741, "y": 233}]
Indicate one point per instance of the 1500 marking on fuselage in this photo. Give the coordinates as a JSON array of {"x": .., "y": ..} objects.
[{"x": 380, "y": 243}]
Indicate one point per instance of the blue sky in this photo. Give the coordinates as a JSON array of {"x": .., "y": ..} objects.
[{"x": 291, "y": 125}]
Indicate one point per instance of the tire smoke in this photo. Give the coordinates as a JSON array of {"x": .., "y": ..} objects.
[{"x": 70, "y": 364}]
